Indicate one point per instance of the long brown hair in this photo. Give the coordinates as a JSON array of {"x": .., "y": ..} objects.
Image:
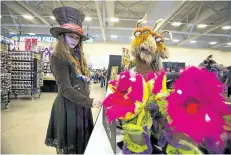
[{"x": 61, "y": 50}]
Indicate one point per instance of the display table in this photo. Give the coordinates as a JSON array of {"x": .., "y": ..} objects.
[
  {"x": 49, "y": 84},
  {"x": 99, "y": 142}
]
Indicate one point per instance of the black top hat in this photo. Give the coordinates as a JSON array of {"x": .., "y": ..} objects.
[{"x": 70, "y": 21}]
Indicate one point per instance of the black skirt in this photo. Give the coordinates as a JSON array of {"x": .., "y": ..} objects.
[{"x": 69, "y": 128}]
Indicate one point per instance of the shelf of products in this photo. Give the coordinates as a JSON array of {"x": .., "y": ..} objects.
[
  {"x": 46, "y": 68},
  {"x": 27, "y": 74},
  {"x": 5, "y": 79}
]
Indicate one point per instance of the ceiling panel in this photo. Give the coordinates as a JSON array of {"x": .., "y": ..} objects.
[{"x": 129, "y": 12}]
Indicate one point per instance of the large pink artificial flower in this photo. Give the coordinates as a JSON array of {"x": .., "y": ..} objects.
[
  {"x": 158, "y": 85},
  {"x": 127, "y": 91},
  {"x": 196, "y": 106},
  {"x": 117, "y": 106}
]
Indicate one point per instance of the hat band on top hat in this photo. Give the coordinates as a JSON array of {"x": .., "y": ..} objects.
[{"x": 73, "y": 27}]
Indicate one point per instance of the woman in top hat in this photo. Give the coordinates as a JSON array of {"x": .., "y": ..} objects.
[{"x": 71, "y": 122}]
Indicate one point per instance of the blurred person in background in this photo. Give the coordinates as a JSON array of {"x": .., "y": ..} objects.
[
  {"x": 92, "y": 74},
  {"x": 228, "y": 82}
]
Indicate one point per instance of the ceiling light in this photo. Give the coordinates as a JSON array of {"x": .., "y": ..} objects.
[
  {"x": 193, "y": 41},
  {"x": 228, "y": 43},
  {"x": 114, "y": 19},
  {"x": 175, "y": 40},
  {"x": 0, "y": 16},
  {"x": 202, "y": 25},
  {"x": 132, "y": 37},
  {"x": 32, "y": 34},
  {"x": 213, "y": 43},
  {"x": 226, "y": 27},
  {"x": 12, "y": 33},
  {"x": 114, "y": 36},
  {"x": 176, "y": 24},
  {"x": 166, "y": 38},
  {"x": 90, "y": 40},
  {"x": 28, "y": 16},
  {"x": 52, "y": 17},
  {"x": 87, "y": 19}
]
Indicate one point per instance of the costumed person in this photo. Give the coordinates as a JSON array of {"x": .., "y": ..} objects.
[
  {"x": 148, "y": 48},
  {"x": 210, "y": 65},
  {"x": 71, "y": 121}
]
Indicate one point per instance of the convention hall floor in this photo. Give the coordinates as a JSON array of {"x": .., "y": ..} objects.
[{"x": 24, "y": 124}]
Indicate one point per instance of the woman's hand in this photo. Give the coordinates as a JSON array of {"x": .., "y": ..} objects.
[{"x": 96, "y": 103}]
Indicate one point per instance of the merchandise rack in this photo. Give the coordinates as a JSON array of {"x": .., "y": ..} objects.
[
  {"x": 5, "y": 79},
  {"x": 46, "y": 68},
  {"x": 26, "y": 74}
]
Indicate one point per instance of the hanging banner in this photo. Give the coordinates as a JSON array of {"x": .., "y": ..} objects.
[{"x": 28, "y": 44}]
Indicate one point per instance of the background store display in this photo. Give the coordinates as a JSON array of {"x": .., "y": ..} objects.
[
  {"x": 27, "y": 74},
  {"x": 174, "y": 66},
  {"x": 126, "y": 58},
  {"x": 5, "y": 79},
  {"x": 47, "y": 69}
]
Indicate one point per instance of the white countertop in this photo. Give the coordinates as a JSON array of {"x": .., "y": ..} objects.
[{"x": 99, "y": 143}]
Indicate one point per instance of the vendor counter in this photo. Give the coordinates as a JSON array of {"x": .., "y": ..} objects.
[
  {"x": 49, "y": 84},
  {"x": 99, "y": 143}
]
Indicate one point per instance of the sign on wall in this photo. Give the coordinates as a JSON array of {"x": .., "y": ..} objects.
[{"x": 40, "y": 38}]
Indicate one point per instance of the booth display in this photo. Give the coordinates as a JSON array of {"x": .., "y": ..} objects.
[
  {"x": 147, "y": 109},
  {"x": 126, "y": 59},
  {"x": 5, "y": 79},
  {"x": 176, "y": 66}
]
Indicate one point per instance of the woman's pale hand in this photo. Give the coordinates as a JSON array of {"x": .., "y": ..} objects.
[{"x": 97, "y": 103}]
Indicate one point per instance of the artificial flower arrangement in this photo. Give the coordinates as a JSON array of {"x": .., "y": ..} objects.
[
  {"x": 128, "y": 103},
  {"x": 181, "y": 119}
]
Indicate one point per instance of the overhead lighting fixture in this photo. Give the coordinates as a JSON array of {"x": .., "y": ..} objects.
[
  {"x": 113, "y": 19},
  {"x": 202, "y": 25},
  {"x": 90, "y": 40},
  {"x": 12, "y": 33},
  {"x": 176, "y": 24},
  {"x": 32, "y": 34},
  {"x": 114, "y": 36},
  {"x": 52, "y": 17},
  {"x": 226, "y": 27},
  {"x": 175, "y": 40},
  {"x": 87, "y": 19},
  {"x": 0, "y": 16},
  {"x": 193, "y": 41},
  {"x": 213, "y": 43},
  {"x": 28, "y": 16},
  {"x": 228, "y": 43},
  {"x": 132, "y": 37},
  {"x": 166, "y": 38}
]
